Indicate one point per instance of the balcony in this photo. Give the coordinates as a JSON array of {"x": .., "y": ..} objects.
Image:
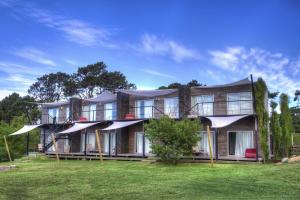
[
  {"x": 214, "y": 108},
  {"x": 98, "y": 115},
  {"x": 149, "y": 112}
]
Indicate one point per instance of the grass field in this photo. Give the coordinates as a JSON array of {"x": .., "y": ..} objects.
[{"x": 46, "y": 179}]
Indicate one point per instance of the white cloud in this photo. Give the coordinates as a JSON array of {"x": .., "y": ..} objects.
[
  {"x": 157, "y": 73},
  {"x": 15, "y": 68},
  {"x": 151, "y": 44},
  {"x": 71, "y": 62},
  {"x": 34, "y": 55},
  {"x": 74, "y": 30},
  {"x": 272, "y": 67},
  {"x": 20, "y": 80}
]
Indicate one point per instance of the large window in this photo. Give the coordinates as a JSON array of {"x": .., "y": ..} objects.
[
  {"x": 239, "y": 103},
  {"x": 203, "y": 144},
  {"x": 171, "y": 107},
  {"x": 89, "y": 112},
  {"x": 110, "y": 111},
  {"x": 144, "y": 108},
  {"x": 90, "y": 142},
  {"x": 53, "y": 115},
  {"x": 139, "y": 143},
  {"x": 239, "y": 141},
  {"x": 67, "y": 113},
  {"x": 203, "y": 105}
]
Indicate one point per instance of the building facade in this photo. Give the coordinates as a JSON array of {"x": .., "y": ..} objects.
[{"x": 227, "y": 109}]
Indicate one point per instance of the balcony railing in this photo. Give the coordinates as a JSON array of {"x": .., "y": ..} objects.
[
  {"x": 48, "y": 119},
  {"x": 148, "y": 112},
  {"x": 236, "y": 107},
  {"x": 103, "y": 114}
]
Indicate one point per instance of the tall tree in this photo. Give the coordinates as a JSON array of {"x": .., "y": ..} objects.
[
  {"x": 175, "y": 85},
  {"x": 49, "y": 87},
  {"x": 262, "y": 115},
  {"x": 286, "y": 124},
  {"x": 14, "y": 105},
  {"x": 297, "y": 97},
  {"x": 94, "y": 79},
  {"x": 275, "y": 129}
]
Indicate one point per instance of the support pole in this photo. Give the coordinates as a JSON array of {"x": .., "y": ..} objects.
[
  {"x": 216, "y": 143},
  {"x": 109, "y": 143},
  {"x": 27, "y": 144},
  {"x": 210, "y": 146},
  {"x": 85, "y": 141},
  {"x": 116, "y": 143},
  {"x": 143, "y": 144},
  {"x": 7, "y": 149},
  {"x": 99, "y": 144},
  {"x": 55, "y": 147}
]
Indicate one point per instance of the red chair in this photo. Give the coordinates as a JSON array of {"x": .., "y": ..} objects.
[
  {"x": 82, "y": 119},
  {"x": 129, "y": 116},
  {"x": 250, "y": 153}
]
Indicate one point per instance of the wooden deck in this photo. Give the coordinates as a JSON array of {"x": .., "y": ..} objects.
[{"x": 139, "y": 157}]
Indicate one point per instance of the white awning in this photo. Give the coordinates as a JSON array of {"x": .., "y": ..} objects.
[
  {"x": 220, "y": 122},
  {"x": 78, "y": 127},
  {"x": 25, "y": 129},
  {"x": 117, "y": 125}
]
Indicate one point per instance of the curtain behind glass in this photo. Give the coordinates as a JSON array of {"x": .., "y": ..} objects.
[{"x": 244, "y": 140}]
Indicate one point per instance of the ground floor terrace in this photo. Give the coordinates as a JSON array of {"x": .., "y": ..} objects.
[{"x": 129, "y": 142}]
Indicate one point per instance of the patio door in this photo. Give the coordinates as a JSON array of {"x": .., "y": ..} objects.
[
  {"x": 112, "y": 137},
  {"x": 239, "y": 141},
  {"x": 139, "y": 143},
  {"x": 203, "y": 144}
]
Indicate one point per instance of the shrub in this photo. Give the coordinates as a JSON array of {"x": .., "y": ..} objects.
[{"x": 172, "y": 139}]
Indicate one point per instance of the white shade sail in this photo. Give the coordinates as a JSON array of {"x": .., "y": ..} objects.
[
  {"x": 117, "y": 125},
  {"x": 25, "y": 129},
  {"x": 220, "y": 122},
  {"x": 78, "y": 127}
]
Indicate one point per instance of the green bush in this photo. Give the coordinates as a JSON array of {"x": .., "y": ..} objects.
[{"x": 172, "y": 139}]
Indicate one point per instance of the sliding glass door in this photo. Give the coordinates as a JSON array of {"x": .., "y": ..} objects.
[
  {"x": 139, "y": 143},
  {"x": 112, "y": 138},
  {"x": 239, "y": 141}
]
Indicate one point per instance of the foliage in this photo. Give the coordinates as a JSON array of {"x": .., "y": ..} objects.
[
  {"x": 272, "y": 95},
  {"x": 286, "y": 124},
  {"x": 176, "y": 85},
  {"x": 262, "y": 115},
  {"x": 15, "y": 105},
  {"x": 49, "y": 87},
  {"x": 171, "y": 139},
  {"x": 275, "y": 129},
  {"x": 86, "y": 82},
  {"x": 75, "y": 179},
  {"x": 297, "y": 97},
  {"x": 17, "y": 144},
  {"x": 295, "y": 112}
]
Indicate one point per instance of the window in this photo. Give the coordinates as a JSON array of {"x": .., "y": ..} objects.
[
  {"x": 239, "y": 103},
  {"x": 171, "y": 107},
  {"x": 203, "y": 105},
  {"x": 89, "y": 112},
  {"x": 239, "y": 141},
  {"x": 67, "y": 114},
  {"x": 144, "y": 108},
  {"x": 90, "y": 142},
  {"x": 139, "y": 143},
  {"x": 110, "y": 111},
  {"x": 203, "y": 144},
  {"x": 53, "y": 114}
]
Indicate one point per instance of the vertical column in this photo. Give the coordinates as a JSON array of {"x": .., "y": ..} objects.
[
  {"x": 122, "y": 105},
  {"x": 27, "y": 144},
  {"x": 184, "y": 95},
  {"x": 216, "y": 143},
  {"x": 85, "y": 141},
  {"x": 109, "y": 143}
]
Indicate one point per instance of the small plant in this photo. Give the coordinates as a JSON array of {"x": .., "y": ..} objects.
[{"x": 172, "y": 139}]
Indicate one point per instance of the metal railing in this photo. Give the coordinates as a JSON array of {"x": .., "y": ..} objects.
[
  {"x": 221, "y": 108},
  {"x": 148, "y": 112},
  {"x": 91, "y": 115}
]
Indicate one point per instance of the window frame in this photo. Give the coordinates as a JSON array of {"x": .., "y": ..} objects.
[
  {"x": 204, "y": 103},
  {"x": 239, "y": 103}
]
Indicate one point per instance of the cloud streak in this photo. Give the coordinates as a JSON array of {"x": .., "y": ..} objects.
[
  {"x": 157, "y": 73},
  {"x": 272, "y": 67},
  {"x": 35, "y": 55},
  {"x": 153, "y": 45},
  {"x": 74, "y": 30}
]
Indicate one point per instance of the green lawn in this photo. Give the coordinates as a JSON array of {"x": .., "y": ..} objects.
[{"x": 46, "y": 179}]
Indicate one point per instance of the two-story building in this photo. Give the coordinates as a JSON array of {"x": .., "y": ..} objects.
[{"x": 228, "y": 109}]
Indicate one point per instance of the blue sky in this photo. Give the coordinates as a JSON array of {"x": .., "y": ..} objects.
[{"x": 152, "y": 42}]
